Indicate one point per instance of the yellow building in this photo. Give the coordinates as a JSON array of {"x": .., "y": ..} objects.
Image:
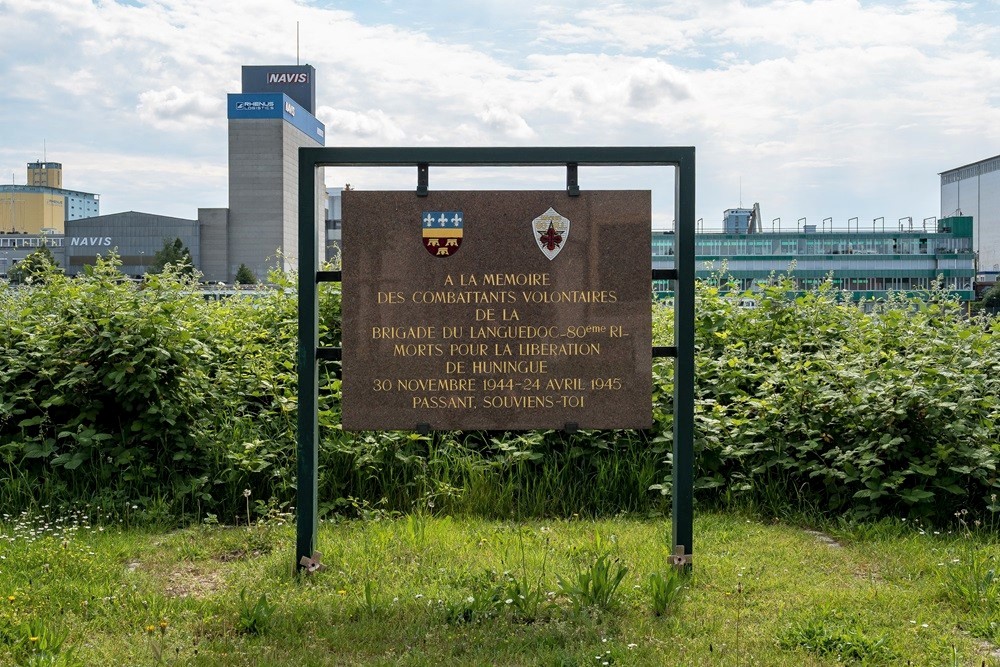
[{"x": 42, "y": 205}]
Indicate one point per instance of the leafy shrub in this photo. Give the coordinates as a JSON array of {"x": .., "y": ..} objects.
[
  {"x": 105, "y": 378},
  {"x": 121, "y": 392},
  {"x": 811, "y": 401}
]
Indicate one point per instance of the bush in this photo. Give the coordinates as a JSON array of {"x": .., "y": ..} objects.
[
  {"x": 810, "y": 402},
  {"x": 122, "y": 393}
]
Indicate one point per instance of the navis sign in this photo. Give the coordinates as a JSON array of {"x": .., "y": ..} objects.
[
  {"x": 91, "y": 241},
  {"x": 287, "y": 77},
  {"x": 296, "y": 81}
]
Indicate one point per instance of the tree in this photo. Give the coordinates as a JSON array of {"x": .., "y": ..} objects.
[
  {"x": 174, "y": 253},
  {"x": 991, "y": 297},
  {"x": 35, "y": 268},
  {"x": 244, "y": 276}
]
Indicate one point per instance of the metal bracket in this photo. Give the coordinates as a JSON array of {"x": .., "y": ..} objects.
[
  {"x": 312, "y": 565},
  {"x": 679, "y": 559},
  {"x": 571, "y": 427},
  {"x": 423, "y": 172},
  {"x": 572, "y": 180}
]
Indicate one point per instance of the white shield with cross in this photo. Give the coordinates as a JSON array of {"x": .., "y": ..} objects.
[{"x": 551, "y": 231}]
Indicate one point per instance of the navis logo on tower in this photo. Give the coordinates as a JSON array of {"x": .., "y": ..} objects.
[{"x": 288, "y": 77}]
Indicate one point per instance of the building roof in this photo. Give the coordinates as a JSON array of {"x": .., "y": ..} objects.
[
  {"x": 46, "y": 189},
  {"x": 974, "y": 164}
]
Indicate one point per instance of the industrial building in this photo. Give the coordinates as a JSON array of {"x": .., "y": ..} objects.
[
  {"x": 41, "y": 205},
  {"x": 273, "y": 116},
  {"x": 974, "y": 190},
  {"x": 269, "y": 120}
]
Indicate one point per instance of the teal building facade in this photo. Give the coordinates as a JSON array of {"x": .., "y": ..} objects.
[{"x": 870, "y": 265}]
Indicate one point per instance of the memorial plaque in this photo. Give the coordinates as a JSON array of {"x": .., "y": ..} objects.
[{"x": 496, "y": 310}]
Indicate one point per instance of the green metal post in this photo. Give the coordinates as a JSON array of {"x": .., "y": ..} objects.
[
  {"x": 683, "y": 159},
  {"x": 683, "y": 450},
  {"x": 308, "y": 376}
]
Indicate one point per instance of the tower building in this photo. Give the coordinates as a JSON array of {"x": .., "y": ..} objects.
[{"x": 268, "y": 122}]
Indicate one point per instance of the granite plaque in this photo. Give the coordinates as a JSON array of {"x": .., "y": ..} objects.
[{"x": 496, "y": 310}]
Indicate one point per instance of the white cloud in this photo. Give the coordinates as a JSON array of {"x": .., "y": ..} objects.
[
  {"x": 814, "y": 104},
  {"x": 174, "y": 108},
  {"x": 506, "y": 122},
  {"x": 372, "y": 125}
]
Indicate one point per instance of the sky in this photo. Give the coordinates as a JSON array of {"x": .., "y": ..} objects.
[{"x": 814, "y": 109}]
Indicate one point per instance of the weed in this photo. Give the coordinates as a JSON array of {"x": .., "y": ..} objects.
[
  {"x": 39, "y": 645},
  {"x": 416, "y": 528},
  {"x": 525, "y": 593},
  {"x": 972, "y": 580},
  {"x": 594, "y": 585},
  {"x": 255, "y": 617},
  {"x": 827, "y": 636},
  {"x": 665, "y": 590},
  {"x": 370, "y": 602}
]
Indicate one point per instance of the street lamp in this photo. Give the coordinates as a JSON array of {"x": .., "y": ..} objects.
[
  {"x": 776, "y": 220},
  {"x": 855, "y": 219},
  {"x": 824, "y": 223}
]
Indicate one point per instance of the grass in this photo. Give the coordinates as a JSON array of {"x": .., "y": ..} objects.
[{"x": 424, "y": 590}]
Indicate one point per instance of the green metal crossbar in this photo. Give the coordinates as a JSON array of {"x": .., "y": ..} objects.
[{"x": 681, "y": 158}]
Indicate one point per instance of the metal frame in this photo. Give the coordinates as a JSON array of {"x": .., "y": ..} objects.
[{"x": 682, "y": 158}]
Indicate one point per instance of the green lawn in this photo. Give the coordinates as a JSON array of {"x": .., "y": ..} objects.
[{"x": 463, "y": 591}]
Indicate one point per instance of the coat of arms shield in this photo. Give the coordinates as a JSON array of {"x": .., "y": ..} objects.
[
  {"x": 551, "y": 231},
  {"x": 442, "y": 232}
]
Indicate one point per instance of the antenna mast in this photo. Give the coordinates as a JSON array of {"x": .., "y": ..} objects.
[{"x": 296, "y": 43}]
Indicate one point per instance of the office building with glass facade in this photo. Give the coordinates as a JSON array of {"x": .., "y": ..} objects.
[{"x": 868, "y": 264}]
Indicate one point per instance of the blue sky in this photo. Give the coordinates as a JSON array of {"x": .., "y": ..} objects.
[{"x": 829, "y": 108}]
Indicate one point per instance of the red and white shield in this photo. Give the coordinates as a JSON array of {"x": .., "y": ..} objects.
[{"x": 551, "y": 231}]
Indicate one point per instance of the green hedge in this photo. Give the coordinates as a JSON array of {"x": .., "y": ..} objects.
[{"x": 124, "y": 394}]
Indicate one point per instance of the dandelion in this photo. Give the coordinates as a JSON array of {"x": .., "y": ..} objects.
[
  {"x": 470, "y": 599},
  {"x": 163, "y": 626},
  {"x": 11, "y": 598},
  {"x": 150, "y": 629},
  {"x": 246, "y": 493},
  {"x": 33, "y": 639},
  {"x": 342, "y": 592}
]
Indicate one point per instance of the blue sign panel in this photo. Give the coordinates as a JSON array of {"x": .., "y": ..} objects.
[{"x": 276, "y": 105}]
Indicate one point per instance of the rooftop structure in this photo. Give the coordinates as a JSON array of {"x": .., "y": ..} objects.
[{"x": 42, "y": 205}]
